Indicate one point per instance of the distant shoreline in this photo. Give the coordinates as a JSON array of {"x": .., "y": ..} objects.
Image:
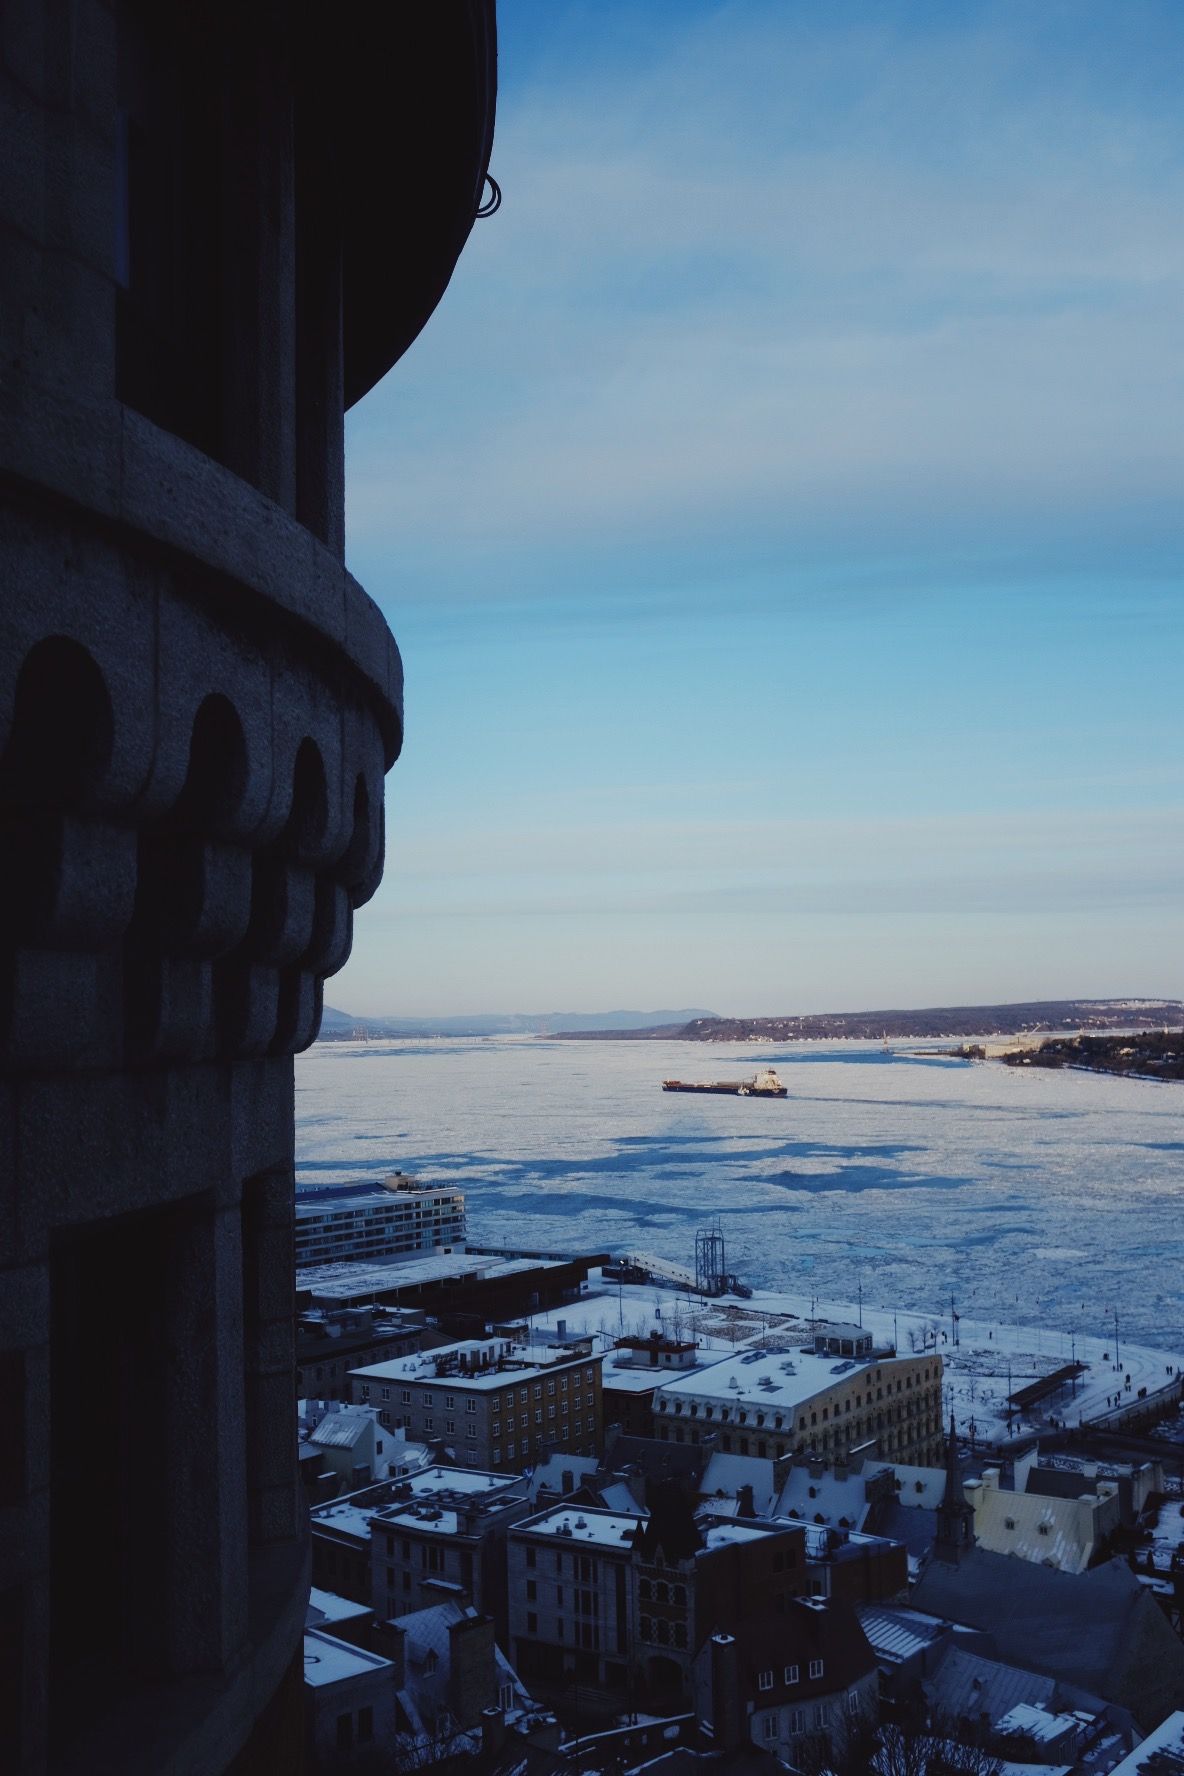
[{"x": 1042, "y": 1018}]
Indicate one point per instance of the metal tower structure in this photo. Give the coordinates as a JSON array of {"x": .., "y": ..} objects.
[{"x": 711, "y": 1263}]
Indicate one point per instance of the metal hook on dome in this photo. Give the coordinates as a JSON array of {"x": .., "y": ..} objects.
[{"x": 493, "y": 202}]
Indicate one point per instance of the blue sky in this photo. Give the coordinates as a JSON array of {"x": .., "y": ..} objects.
[{"x": 780, "y": 520}]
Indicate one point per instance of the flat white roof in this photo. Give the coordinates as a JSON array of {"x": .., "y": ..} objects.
[
  {"x": 1035, "y": 1722},
  {"x": 349, "y": 1519},
  {"x": 330, "y": 1661},
  {"x": 630, "y": 1378},
  {"x": 350, "y": 1278},
  {"x": 333, "y": 1608},
  {"x": 525, "y": 1362},
  {"x": 342, "y": 1199},
  {"x": 444, "y": 1479},
  {"x": 774, "y": 1380},
  {"x": 720, "y": 1535},
  {"x": 605, "y": 1529}
]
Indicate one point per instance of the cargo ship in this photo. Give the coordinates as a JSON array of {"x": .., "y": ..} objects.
[{"x": 761, "y": 1085}]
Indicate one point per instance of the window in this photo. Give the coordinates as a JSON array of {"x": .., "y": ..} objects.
[
  {"x": 449, "y": 1426},
  {"x": 550, "y": 1411},
  {"x": 766, "y": 1680},
  {"x": 564, "y": 1434},
  {"x": 497, "y": 1427},
  {"x": 406, "y": 1396},
  {"x": 551, "y": 1389},
  {"x": 588, "y": 1374},
  {"x": 538, "y": 1417},
  {"x": 470, "y": 1430},
  {"x": 852, "y": 1704},
  {"x": 538, "y": 1390},
  {"x": 429, "y": 1424},
  {"x": 563, "y": 1384},
  {"x": 429, "y": 1399},
  {"x": 822, "y": 1716},
  {"x": 816, "y": 1668},
  {"x": 531, "y": 1557},
  {"x": 449, "y": 1402},
  {"x": 524, "y": 1422},
  {"x": 365, "y": 1395},
  {"x": 509, "y": 1452},
  {"x": 532, "y": 1622},
  {"x": 505, "y": 1696},
  {"x": 797, "y": 1720},
  {"x": 770, "y": 1726},
  {"x": 345, "y": 1732},
  {"x": 386, "y": 1393},
  {"x": 532, "y": 1590},
  {"x": 365, "y": 1725},
  {"x": 792, "y": 1673},
  {"x": 470, "y": 1405}
]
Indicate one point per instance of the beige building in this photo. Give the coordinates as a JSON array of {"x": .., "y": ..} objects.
[
  {"x": 493, "y": 1402},
  {"x": 775, "y": 1403}
]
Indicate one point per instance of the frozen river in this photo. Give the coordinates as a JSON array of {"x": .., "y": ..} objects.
[{"x": 1036, "y": 1198}]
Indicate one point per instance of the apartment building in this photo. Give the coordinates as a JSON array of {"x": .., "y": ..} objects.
[
  {"x": 493, "y": 1402},
  {"x": 444, "y": 1536},
  {"x": 776, "y": 1403},
  {"x": 379, "y": 1223},
  {"x": 329, "y": 1343},
  {"x": 617, "y": 1601}
]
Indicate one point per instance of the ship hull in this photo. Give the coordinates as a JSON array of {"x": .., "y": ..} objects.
[{"x": 724, "y": 1089}]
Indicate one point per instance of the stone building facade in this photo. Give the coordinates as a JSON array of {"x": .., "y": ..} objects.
[
  {"x": 197, "y": 708},
  {"x": 776, "y": 1403}
]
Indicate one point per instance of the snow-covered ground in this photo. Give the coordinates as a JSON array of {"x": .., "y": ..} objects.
[
  {"x": 1036, "y": 1198},
  {"x": 976, "y": 1370}
]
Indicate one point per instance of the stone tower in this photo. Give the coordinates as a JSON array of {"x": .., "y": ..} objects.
[{"x": 220, "y": 224}]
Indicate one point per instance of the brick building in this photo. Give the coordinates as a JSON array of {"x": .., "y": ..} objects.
[{"x": 493, "y": 1402}]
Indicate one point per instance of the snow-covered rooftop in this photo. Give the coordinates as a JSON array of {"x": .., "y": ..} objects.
[
  {"x": 330, "y": 1661},
  {"x": 1035, "y": 1722},
  {"x": 349, "y": 1280},
  {"x": 505, "y": 1361},
  {"x": 605, "y": 1529},
  {"x": 722, "y": 1535},
  {"x": 326, "y": 1606},
  {"x": 898, "y": 1633},
  {"x": 1166, "y": 1741},
  {"x": 769, "y": 1380}
]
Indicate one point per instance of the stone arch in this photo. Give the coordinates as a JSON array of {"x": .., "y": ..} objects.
[
  {"x": 357, "y": 859},
  {"x": 217, "y": 773},
  {"x": 63, "y": 728},
  {"x": 308, "y": 817}
]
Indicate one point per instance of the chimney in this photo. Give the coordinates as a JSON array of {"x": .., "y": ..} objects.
[
  {"x": 745, "y": 1504},
  {"x": 727, "y": 1708},
  {"x": 391, "y": 1642},
  {"x": 493, "y": 1731},
  {"x": 473, "y": 1684}
]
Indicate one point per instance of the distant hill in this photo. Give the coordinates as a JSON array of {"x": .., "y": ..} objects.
[
  {"x": 940, "y": 1020},
  {"x": 336, "y": 1025}
]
